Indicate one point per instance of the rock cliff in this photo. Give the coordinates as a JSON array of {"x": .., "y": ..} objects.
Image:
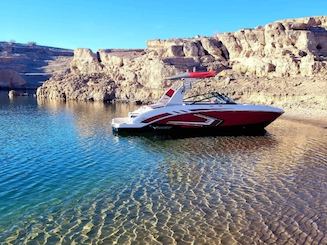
[
  {"x": 129, "y": 75},
  {"x": 284, "y": 62},
  {"x": 29, "y": 65}
]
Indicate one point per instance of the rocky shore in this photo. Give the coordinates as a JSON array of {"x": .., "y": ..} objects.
[{"x": 283, "y": 63}]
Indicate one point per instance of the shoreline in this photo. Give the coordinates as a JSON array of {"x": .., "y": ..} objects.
[
  {"x": 29, "y": 89},
  {"x": 300, "y": 116},
  {"x": 304, "y": 119}
]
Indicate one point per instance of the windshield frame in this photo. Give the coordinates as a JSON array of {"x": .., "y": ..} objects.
[{"x": 209, "y": 98}]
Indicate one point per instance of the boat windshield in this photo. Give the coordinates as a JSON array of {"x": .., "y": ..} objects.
[{"x": 209, "y": 98}]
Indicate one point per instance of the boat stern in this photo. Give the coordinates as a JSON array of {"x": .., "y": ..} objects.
[{"x": 125, "y": 124}]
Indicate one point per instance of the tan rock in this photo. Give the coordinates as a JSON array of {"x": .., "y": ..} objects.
[
  {"x": 286, "y": 66},
  {"x": 231, "y": 43},
  {"x": 175, "y": 51},
  {"x": 85, "y": 61},
  {"x": 285, "y": 49},
  {"x": 110, "y": 60},
  {"x": 254, "y": 66},
  {"x": 190, "y": 49},
  {"x": 309, "y": 66},
  {"x": 213, "y": 47}
]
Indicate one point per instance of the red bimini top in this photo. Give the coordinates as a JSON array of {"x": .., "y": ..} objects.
[
  {"x": 195, "y": 74},
  {"x": 205, "y": 74}
]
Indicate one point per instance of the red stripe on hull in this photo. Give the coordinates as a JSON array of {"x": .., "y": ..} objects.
[
  {"x": 156, "y": 117},
  {"x": 229, "y": 118},
  {"x": 190, "y": 117},
  {"x": 234, "y": 118}
]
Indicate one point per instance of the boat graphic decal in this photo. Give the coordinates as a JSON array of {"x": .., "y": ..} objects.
[
  {"x": 170, "y": 92},
  {"x": 208, "y": 121},
  {"x": 155, "y": 117}
]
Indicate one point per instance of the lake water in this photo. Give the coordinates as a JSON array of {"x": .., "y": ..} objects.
[{"x": 64, "y": 178}]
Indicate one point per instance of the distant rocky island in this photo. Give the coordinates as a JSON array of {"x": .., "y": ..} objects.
[{"x": 282, "y": 63}]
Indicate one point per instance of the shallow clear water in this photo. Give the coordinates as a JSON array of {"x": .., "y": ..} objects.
[{"x": 65, "y": 178}]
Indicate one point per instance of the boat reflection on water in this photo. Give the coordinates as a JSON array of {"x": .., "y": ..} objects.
[
  {"x": 89, "y": 118},
  {"x": 178, "y": 134}
]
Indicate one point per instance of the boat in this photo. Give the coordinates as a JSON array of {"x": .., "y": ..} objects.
[{"x": 211, "y": 113}]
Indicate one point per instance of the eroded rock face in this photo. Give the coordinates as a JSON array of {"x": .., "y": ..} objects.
[
  {"x": 283, "y": 45},
  {"x": 92, "y": 87},
  {"x": 284, "y": 49},
  {"x": 134, "y": 76},
  {"x": 11, "y": 79},
  {"x": 277, "y": 49},
  {"x": 32, "y": 63},
  {"x": 85, "y": 61}
]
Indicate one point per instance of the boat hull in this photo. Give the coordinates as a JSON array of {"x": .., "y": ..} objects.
[
  {"x": 253, "y": 130},
  {"x": 203, "y": 122}
]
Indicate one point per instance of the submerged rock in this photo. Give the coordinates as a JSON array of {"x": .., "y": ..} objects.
[{"x": 14, "y": 93}]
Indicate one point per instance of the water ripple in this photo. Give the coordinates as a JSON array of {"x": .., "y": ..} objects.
[{"x": 66, "y": 179}]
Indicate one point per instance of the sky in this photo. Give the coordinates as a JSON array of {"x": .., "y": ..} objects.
[{"x": 130, "y": 23}]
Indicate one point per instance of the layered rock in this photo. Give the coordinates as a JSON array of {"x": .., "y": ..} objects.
[
  {"x": 286, "y": 52},
  {"x": 85, "y": 61},
  {"x": 280, "y": 48},
  {"x": 29, "y": 65},
  {"x": 11, "y": 79},
  {"x": 96, "y": 87},
  {"x": 129, "y": 75}
]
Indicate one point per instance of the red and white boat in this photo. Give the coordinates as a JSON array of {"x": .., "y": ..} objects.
[{"x": 213, "y": 112}]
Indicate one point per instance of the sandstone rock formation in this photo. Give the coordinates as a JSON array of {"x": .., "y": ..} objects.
[
  {"x": 126, "y": 75},
  {"x": 285, "y": 52},
  {"x": 11, "y": 79},
  {"x": 283, "y": 48},
  {"x": 29, "y": 65}
]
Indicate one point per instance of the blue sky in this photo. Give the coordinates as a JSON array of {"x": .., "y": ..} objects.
[{"x": 129, "y": 23}]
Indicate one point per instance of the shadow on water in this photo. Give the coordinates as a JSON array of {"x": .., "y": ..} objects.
[{"x": 184, "y": 134}]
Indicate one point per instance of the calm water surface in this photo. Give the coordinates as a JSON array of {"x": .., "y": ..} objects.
[{"x": 64, "y": 179}]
